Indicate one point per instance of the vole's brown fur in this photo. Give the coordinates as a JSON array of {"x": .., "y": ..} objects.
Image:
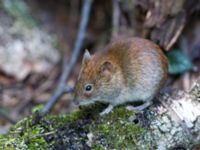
[{"x": 127, "y": 70}]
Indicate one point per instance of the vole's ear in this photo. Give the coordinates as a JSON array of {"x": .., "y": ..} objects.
[
  {"x": 86, "y": 57},
  {"x": 106, "y": 68}
]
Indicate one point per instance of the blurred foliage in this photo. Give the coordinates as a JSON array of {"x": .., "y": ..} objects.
[
  {"x": 3, "y": 110},
  {"x": 19, "y": 10},
  {"x": 179, "y": 62},
  {"x": 37, "y": 108}
]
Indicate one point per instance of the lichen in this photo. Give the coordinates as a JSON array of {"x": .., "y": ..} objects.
[{"x": 83, "y": 128}]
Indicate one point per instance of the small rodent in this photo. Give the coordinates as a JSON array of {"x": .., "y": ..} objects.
[{"x": 127, "y": 70}]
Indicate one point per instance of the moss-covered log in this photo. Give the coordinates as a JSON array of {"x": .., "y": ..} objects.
[
  {"x": 172, "y": 124},
  {"x": 81, "y": 129}
]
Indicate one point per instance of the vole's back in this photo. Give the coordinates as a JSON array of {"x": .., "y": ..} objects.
[{"x": 142, "y": 63}]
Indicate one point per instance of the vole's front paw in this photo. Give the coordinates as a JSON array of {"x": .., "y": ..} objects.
[
  {"x": 139, "y": 108},
  {"x": 132, "y": 108},
  {"x": 107, "y": 110}
]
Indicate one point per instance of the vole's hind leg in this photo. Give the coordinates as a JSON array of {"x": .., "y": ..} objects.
[
  {"x": 107, "y": 110},
  {"x": 139, "y": 108}
]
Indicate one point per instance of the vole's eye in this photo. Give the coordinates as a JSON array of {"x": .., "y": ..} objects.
[{"x": 88, "y": 88}]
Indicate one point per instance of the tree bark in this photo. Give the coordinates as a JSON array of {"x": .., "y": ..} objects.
[{"x": 176, "y": 122}]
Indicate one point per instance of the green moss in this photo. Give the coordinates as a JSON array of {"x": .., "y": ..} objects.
[
  {"x": 24, "y": 136},
  {"x": 116, "y": 129},
  {"x": 112, "y": 131}
]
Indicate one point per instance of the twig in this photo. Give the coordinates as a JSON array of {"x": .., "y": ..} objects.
[
  {"x": 68, "y": 65},
  {"x": 115, "y": 18}
]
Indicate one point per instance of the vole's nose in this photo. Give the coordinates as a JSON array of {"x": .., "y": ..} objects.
[{"x": 76, "y": 101}]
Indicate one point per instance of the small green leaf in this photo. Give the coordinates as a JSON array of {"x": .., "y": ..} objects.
[
  {"x": 179, "y": 62},
  {"x": 4, "y": 110},
  {"x": 37, "y": 108}
]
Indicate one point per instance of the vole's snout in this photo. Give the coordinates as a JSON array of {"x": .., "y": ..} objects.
[{"x": 76, "y": 101}]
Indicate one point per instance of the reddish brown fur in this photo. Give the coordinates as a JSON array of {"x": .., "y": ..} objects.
[{"x": 128, "y": 58}]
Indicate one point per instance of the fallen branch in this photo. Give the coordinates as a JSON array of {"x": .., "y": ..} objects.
[
  {"x": 68, "y": 65},
  {"x": 175, "y": 124}
]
